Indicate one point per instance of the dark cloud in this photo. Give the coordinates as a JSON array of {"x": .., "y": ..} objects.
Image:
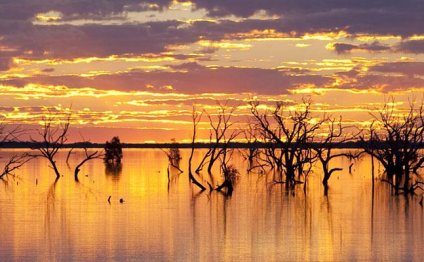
[
  {"x": 247, "y": 8},
  {"x": 411, "y": 46},
  {"x": 5, "y": 63},
  {"x": 384, "y": 83},
  {"x": 69, "y": 41},
  {"x": 385, "y": 77},
  {"x": 405, "y": 68},
  {"x": 197, "y": 79},
  {"x": 17, "y": 32},
  {"x": 73, "y": 9},
  {"x": 360, "y": 16},
  {"x": 343, "y": 48},
  {"x": 405, "y": 46},
  {"x": 48, "y": 70}
]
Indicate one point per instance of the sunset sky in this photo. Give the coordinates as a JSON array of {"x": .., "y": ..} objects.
[{"x": 135, "y": 68}]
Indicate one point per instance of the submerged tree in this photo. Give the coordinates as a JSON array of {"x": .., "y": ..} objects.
[
  {"x": 16, "y": 161},
  {"x": 113, "y": 151},
  {"x": 220, "y": 136},
  {"x": 196, "y": 117},
  {"x": 324, "y": 148},
  {"x": 87, "y": 157},
  {"x": 288, "y": 133},
  {"x": 53, "y": 136},
  {"x": 174, "y": 155},
  {"x": 395, "y": 139},
  {"x": 251, "y": 135}
]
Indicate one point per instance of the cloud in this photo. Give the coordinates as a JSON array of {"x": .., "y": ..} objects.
[
  {"x": 405, "y": 46},
  {"x": 405, "y": 68},
  {"x": 5, "y": 63},
  {"x": 74, "y": 9},
  {"x": 411, "y": 46},
  {"x": 384, "y": 83},
  {"x": 190, "y": 78},
  {"x": 294, "y": 18},
  {"x": 69, "y": 41},
  {"x": 343, "y": 48},
  {"x": 362, "y": 16}
]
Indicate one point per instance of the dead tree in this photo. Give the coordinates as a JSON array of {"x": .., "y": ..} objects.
[
  {"x": 174, "y": 155},
  {"x": 219, "y": 137},
  {"x": 252, "y": 138},
  {"x": 16, "y": 161},
  {"x": 305, "y": 159},
  {"x": 53, "y": 136},
  {"x": 395, "y": 140},
  {"x": 290, "y": 131},
  {"x": 324, "y": 148},
  {"x": 229, "y": 171},
  {"x": 87, "y": 157},
  {"x": 196, "y": 117}
]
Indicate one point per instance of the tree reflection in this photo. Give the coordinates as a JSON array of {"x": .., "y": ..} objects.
[{"x": 113, "y": 170}]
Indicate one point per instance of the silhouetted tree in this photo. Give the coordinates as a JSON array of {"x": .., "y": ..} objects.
[
  {"x": 251, "y": 136},
  {"x": 53, "y": 135},
  {"x": 220, "y": 135},
  {"x": 324, "y": 149},
  {"x": 13, "y": 163},
  {"x": 16, "y": 161},
  {"x": 290, "y": 131},
  {"x": 395, "y": 140},
  {"x": 196, "y": 117},
  {"x": 87, "y": 157},
  {"x": 174, "y": 155},
  {"x": 113, "y": 151}
]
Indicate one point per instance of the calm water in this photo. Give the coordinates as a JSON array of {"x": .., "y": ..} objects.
[{"x": 160, "y": 221}]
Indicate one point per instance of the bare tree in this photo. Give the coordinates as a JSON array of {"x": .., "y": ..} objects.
[
  {"x": 221, "y": 135},
  {"x": 87, "y": 157},
  {"x": 196, "y": 117},
  {"x": 16, "y": 161},
  {"x": 251, "y": 135},
  {"x": 290, "y": 131},
  {"x": 53, "y": 135},
  {"x": 395, "y": 140},
  {"x": 174, "y": 155},
  {"x": 324, "y": 148}
]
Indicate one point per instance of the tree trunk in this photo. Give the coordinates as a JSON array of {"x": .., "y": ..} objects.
[
  {"x": 77, "y": 170},
  {"x": 289, "y": 175},
  {"x": 406, "y": 186},
  {"x": 56, "y": 171}
]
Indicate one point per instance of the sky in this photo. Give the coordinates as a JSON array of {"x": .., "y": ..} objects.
[{"x": 135, "y": 68}]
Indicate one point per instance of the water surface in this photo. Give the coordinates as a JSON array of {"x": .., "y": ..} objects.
[{"x": 169, "y": 220}]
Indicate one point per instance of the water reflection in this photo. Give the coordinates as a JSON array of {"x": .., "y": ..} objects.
[
  {"x": 164, "y": 217},
  {"x": 113, "y": 170}
]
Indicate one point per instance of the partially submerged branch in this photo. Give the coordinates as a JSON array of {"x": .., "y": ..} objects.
[{"x": 14, "y": 163}]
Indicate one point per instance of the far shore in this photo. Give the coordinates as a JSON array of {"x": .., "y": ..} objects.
[{"x": 347, "y": 145}]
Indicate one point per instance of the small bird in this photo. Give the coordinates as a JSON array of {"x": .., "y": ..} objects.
[
  {"x": 108, "y": 199},
  {"x": 421, "y": 201},
  {"x": 121, "y": 200}
]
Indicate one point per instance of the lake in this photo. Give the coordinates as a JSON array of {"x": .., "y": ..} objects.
[{"x": 169, "y": 220}]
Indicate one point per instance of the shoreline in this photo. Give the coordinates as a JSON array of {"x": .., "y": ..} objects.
[{"x": 241, "y": 145}]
